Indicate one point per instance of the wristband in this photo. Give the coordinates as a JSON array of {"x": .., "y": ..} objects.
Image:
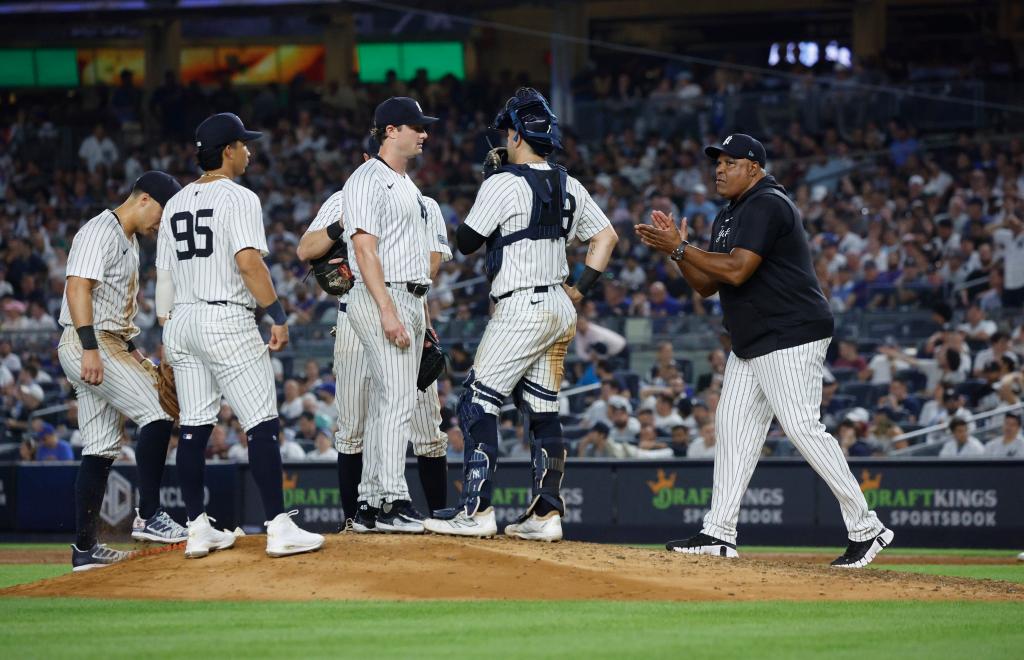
[
  {"x": 587, "y": 279},
  {"x": 276, "y": 312},
  {"x": 334, "y": 231},
  {"x": 87, "y": 336},
  {"x": 130, "y": 345}
]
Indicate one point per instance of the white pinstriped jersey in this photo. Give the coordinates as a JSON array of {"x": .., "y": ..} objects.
[
  {"x": 437, "y": 228},
  {"x": 388, "y": 205},
  {"x": 100, "y": 251},
  {"x": 505, "y": 201},
  {"x": 330, "y": 211},
  {"x": 203, "y": 227}
]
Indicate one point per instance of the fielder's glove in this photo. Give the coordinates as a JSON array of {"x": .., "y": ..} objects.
[
  {"x": 166, "y": 389},
  {"x": 336, "y": 279},
  {"x": 496, "y": 159},
  {"x": 433, "y": 363}
]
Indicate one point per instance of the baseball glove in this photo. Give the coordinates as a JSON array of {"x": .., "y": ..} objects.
[
  {"x": 496, "y": 159},
  {"x": 166, "y": 389},
  {"x": 433, "y": 362},
  {"x": 336, "y": 279}
]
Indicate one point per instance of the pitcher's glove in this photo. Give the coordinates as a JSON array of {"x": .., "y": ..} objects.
[
  {"x": 166, "y": 389},
  {"x": 336, "y": 279},
  {"x": 496, "y": 159},
  {"x": 433, "y": 362}
]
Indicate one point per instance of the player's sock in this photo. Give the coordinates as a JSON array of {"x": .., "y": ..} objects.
[
  {"x": 265, "y": 464},
  {"x": 150, "y": 456},
  {"x": 350, "y": 471},
  {"x": 434, "y": 478},
  {"x": 90, "y": 486},
  {"x": 191, "y": 462}
]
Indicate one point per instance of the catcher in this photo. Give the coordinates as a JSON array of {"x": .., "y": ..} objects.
[{"x": 327, "y": 253}]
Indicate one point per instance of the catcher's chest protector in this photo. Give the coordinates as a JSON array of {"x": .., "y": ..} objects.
[{"x": 550, "y": 218}]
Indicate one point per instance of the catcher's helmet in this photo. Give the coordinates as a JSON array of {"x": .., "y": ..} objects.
[{"x": 529, "y": 114}]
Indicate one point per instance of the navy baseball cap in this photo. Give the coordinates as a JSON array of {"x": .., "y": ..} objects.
[
  {"x": 400, "y": 111},
  {"x": 158, "y": 185},
  {"x": 739, "y": 145},
  {"x": 223, "y": 129}
]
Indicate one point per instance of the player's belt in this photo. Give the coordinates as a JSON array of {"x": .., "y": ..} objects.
[
  {"x": 509, "y": 294},
  {"x": 225, "y": 303},
  {"x": 418, "y": 290},
  {"x": 343, "y": 307}
]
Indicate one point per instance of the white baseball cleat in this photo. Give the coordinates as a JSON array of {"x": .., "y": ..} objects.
[
  {"x": 285, "y": 538},
  {"x": 860, "y": 553},
  {"x": 481, "y": 524},
  {"x": 203, "y": 538},
  {"x": 537, "y": 528},
  {"x": 1020, "y": 557},
  {"x": 704, "y": 544}
]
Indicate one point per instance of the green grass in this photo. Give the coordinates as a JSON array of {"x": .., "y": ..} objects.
[
  {"x": 836, "y": 550},
  {"x": 115, "y": 629},
  {"x": 976, "y": 571},
  {"x": 11, "y": 574}
]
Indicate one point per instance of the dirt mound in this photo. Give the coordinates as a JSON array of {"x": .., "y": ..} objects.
[{"x": 433, "y": 567}]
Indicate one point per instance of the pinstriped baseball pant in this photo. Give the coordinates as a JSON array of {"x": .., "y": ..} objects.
[
  {"x": 393, "y": 371},
  {"x": 127, "y": 390},
  {"x": 352, "y": 374},
  {"x": 784, "y": 384}
]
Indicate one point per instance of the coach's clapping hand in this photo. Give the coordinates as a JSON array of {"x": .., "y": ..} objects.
[{"x": 662, "y": 234}]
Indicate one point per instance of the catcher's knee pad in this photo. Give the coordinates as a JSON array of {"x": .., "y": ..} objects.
[
  {"x": 548, "y": 455},
  {"x": 489, "y": 399},
  {"x": 535, "y": 398}
]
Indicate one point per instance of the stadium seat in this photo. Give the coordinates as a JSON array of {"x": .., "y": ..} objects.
[
  {"x": 916, "y": 381},
  {"x": 843, "y": 374}
]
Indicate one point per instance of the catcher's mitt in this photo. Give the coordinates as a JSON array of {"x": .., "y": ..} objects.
[
  {"x": 496, "y": 159},
  {"x": 433, "y": 362},
  {"x": 166, "y": 389},
  {"x": 336, "y": 279}
]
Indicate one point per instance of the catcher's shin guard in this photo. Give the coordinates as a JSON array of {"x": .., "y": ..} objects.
[
  {"x": 480, "y": 435},
  {"x": 548, "y": 463}
]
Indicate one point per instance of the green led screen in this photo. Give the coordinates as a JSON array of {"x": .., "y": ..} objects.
[
  {"x": 56, "y": 67},
  {"x": 438, "y": 58},
  {"x": 17, "y": 68}
]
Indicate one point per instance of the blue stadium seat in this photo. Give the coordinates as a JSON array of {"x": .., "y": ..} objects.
[
  {"x": 843, "y": 374},
  {"x": 916, "y": 381}
]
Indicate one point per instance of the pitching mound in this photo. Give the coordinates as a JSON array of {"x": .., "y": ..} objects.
[{"x": 380, "y": 567}]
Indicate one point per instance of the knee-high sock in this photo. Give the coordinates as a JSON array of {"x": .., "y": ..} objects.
[
  {"x": 350, "y": 471},
  {"x": 265, "y": 464},
  {"x": 90, "y": 485},
  {"x": 434, "y": 478},
  {"x": 150, "y": 456},
  {"x": 191, "y": 462}
]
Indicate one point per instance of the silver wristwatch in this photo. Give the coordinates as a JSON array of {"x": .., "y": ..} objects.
[{"x": 677, "y": 254}]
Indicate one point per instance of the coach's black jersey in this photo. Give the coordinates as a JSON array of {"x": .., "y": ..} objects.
[{"x": 781, "y": 305}]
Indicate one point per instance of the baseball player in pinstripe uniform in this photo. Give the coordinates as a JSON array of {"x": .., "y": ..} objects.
[
  {"x": 525, "y": 212},
  {"x": 210, "y": 279},
  {"x": 759, "y": 262},
  {"x": 112, "y": 380},
  {"x": 353, "y": 375},
  {"x": 387, "y": 231}
]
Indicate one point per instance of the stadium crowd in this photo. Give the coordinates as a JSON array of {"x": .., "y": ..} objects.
[{"x": 899, "y": 221}]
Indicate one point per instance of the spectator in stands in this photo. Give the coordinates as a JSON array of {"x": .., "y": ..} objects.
[
  {"x": 946, "y": 406},
  {"x": 1009, "y": 237},
  {"x": 902, "y": 405},
  {"x": 290, "y": 450},
  {"x": 849, "y": 358},
  {"x": 239, "y": 452},
  {"x": 98, "y": 149},
  {"x": 999, "y": 349},
  {"x": 680, "y": 440},
  {"x": 662, "y": 304},
  {"x": 632, "y": 275},
  {"x": 27, "y": 450},
  {"x": 325, "y": 406},
  {"x": 883, "y": 431},
  {"x": 704, "y": 445},
  {"x": 594, "y": 342},
  {"x": 978, "y": 328},
  {"x": 291, "y": 407},
  {"x": 306, "y": 430},
  {"x": 850, "y": 440},
  {"x": 456, "y": 443},
  {"x": 1011, "y": 443},
  {"x": 666, "y": 417},
  {"x": 51, "y": 448},
  {"x": 217, "y": 448},
  {"x": 624, "y": 427},
  {"x": 27, "y": 399},
  {"x": 649, "y": 446},
  {"x": 664, "y": 362},
  {"x": 886, "y": 362},
  {"x": 961, "y": 444},
  {"x": 716, "y": 360},
  {"x": 598, "y": 410},
  {"x": 595, "y": 444},
  {"x": 324, "y": 448}
]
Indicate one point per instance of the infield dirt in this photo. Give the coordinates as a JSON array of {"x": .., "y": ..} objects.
[{"x": 379, "y": 567}]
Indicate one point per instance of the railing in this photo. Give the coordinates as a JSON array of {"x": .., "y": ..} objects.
[{"x": 919, "y": 449}]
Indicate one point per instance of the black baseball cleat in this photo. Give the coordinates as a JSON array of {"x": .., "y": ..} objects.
[
  {"x": 399, "y": 517},
  {"x": 365, "y": 521},
  {"x": 702, "y": 544},
  {"x": 98, "y": 556},
  {"x": 860, "y": 553}
]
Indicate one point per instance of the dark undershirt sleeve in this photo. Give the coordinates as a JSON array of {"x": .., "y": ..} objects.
[{"x": 467, "y": 240}]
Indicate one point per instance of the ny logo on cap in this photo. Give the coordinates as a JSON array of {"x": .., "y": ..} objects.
[
  {"x": 418, "y": 106},
  {"x": 727, "y": 140}
]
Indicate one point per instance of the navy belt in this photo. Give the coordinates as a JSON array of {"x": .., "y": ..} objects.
[
  {"x": 225, "y": 303},
  {"x": 536, "y": 289},
  {"x": 343, "y": 307},
  {"x": 418, "y": 290}
]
